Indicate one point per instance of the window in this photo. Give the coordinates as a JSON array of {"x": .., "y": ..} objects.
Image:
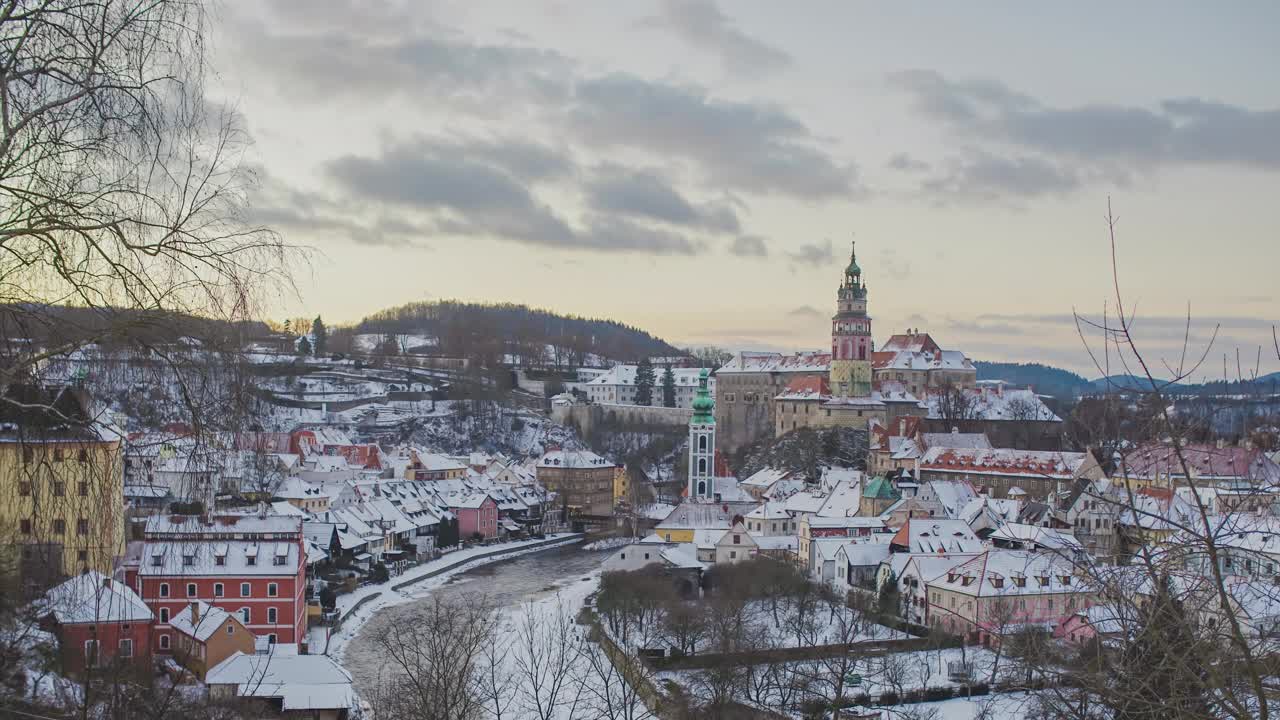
[
  {"x": 82, "y": 526},
  {"x": 82, "y": 555},
  {"x": 220, "y": 560},
  {"x": 59, "y": 527},
  {"x": 278, "y": 560},
  {"x": 90, "y": 652},
  {"x": 164, "y": 589},
  {"x": 271, "y": 616},
  {"x": 737, "y": 539},
  {"x": 733, "y": 554},
  {"x": 126, "y": 648},
  {"x": 25, "y": 523},
  {"x": 191, "y": 589},
  {"x": 244, "y": 615},
  {"x": 244, "y": 589},
  {"x": 646, "y": 556},
  {"x": 164, "y": 642},
  {"x": 164, "y": 615},
  {"x": 188, "y": 560},
  {"x": 272, "y": 590},
  {"x": 82, "y": 488},
  {"x": 24, "y": 489},
  {"x": 251, "y": 560},
  {"x": 271, "y": 639},
  {"x": 217, "y": 589}
]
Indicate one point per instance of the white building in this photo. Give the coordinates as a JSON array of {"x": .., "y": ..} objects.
[{"x": 618, "y": 386}]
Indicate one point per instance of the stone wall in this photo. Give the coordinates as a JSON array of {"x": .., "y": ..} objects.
[{"x": 586, "y": 417}]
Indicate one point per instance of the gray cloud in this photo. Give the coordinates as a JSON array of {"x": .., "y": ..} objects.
[
  {"x": 701, "y": 24},
  {"x": 1179, "y": 131},
  {"x": 749, "y": 246},
  {"x": 751, "y": 147},
  {"x": 455, "y": 190},
  {"x": 806, "y": 311},
  {"x": 979, "y": 175},
  {"x": 813, "y": 255},
  {"x": 646, "y": 194},
  {"x": 904, "y": 162}
]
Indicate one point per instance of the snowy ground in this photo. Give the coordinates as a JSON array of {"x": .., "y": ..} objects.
[{"x": 389, "y": 597}]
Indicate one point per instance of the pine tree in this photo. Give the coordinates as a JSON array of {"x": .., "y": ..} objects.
[
  {"x": 319, "y": 335},
  {"x": 644, "y": 382},
  {"x": 1160, "y": 672},
  {"x": 304, "y": 346},
  {"x": 668, "y": 388}
]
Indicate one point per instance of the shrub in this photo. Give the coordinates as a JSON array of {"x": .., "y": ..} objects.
[
  {"x": 889, "y": 698},
  {"x": 937, "y": 693}
]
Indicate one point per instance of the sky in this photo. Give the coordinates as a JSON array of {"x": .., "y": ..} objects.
[{"x": 699, "y": 168}]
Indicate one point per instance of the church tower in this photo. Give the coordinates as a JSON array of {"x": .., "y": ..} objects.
[
  {"x": 702, "y": 444},
  {"x": 851, "y": 344}
]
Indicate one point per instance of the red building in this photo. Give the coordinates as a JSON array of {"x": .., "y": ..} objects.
[
  {"x": 327, "y": 441},
  {"x": 476, "y": 513},
  {"x": 100, "y": 623},
  {"x": 252, "y": 566}
]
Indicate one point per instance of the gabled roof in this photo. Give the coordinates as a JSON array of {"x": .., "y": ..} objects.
[
  {"x": 210, "y": 619},
  {"x": 881, "y": 488},
  {"x": 773, "y": 362},
  {"x": 301, "y": 682},
  {"x": 937, "y": 535},
  {"x": 92, "y": 597}
]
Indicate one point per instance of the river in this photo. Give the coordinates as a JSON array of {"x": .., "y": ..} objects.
[{"x": 506, "y": 583}]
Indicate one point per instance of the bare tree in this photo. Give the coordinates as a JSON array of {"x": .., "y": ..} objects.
[
  {"x": 956, "y": 404},
  {"x": 548, "y": 648},
  {"x": 438, "y": 662}
]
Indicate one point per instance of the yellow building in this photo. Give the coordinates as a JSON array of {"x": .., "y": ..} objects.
[
  {"x": 61, "y": 489},
  {"x": 621, "y": 485}
]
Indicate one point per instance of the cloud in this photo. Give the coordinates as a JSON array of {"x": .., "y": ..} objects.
[
  {"x": 1186, "y": 131},
  {"x": 813, "y": 255},
  {"x": 460, "y": 189},
  {"x": 889, "y": 263},
  {"x": 806, "y": 311},
  {"x": 906, "y": 163},
  {"x": 646, "y": 194},
  {"x": 701, "y": 24},
  {"x": 752, "y": 147},
  {"x": 979, "y": 175},
  {"x": 748, "y": 246}
]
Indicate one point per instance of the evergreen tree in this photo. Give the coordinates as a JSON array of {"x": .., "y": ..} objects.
[
  {"x": 288, "y": 327},
  {"x": 1160, "y": 672},
  {"x": 668, "y": 388},
  {"x": 644, "y": 382},
  {"x": 319, "y": 335},
  {"x": 304, "y": 346}
]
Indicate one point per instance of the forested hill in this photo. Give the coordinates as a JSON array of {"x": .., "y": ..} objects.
[
  {"x": 1045, "y": 379},
  {"x": 479, "y": 330}
]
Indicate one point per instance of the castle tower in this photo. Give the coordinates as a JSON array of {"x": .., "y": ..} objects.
[
  {"x": 702, "y": 444},
  {"x": 851, "y": 344}
]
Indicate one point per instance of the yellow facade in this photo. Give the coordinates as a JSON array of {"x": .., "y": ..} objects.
[
  {"x": 620, "y": 485},
  {"x": 675, "y": 535},
  {"x": 61, "y": 509},
  {"x": 850, "y": 377}
]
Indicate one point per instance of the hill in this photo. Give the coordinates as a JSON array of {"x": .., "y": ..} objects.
[
  {"x": 517, "y": 333},
  {"x": 1045, "y": 379}
]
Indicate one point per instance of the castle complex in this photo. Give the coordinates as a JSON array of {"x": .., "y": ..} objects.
[{"x": 760, "y": 393}]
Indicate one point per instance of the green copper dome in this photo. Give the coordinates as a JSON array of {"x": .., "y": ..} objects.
[
  {"x": 703, "y": 405},
  {"x": 853, "y": 268}
]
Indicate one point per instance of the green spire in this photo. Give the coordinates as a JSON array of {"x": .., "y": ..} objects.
[
  {"x": 703, "y": 405},
  {"x": 853, "y": 268}
]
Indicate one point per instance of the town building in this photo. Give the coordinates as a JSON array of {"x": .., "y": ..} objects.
[
  {"x": 100, "y": 624},
  {"x": 1005, "y": 472},
  {"x": 204, "y": 635},
  {"x": 617, "y": 386},
  {"x": 915, "y": 361},
  {"x": 302, "y": 687},
  {"x": 702, "y": 445},
  {"x": 747, "y": 385},
  {"x": 581, "y": 479},
  {"x": 61, "y": 489},
  {"x": 250, "y": 565}
]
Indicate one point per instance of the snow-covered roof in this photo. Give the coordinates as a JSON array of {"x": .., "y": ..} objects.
[
  {"x": 770, "y": 362},
  {"x": 626, "y": 375},
  {"x": 301, "y": 682},
  {"x": 937, "y": 535},
  {"x": 208, "y": 620},
  {"x": 293, "y": 488},
  {"x": 842, "y": 501},
  {"x": 1045, "y": 538},
  {"x": 436, "y": 462},
  {"x": 227, "y": 525},
  {"x": 765, "y": 478},
  {"x": 702, "y": 515},
  {"x": 769, "y": 511},
  {"x": 573, "y": 459},
  {"x": 956, "y": 439},
  {"x": 1011, "y": 573},
  {"x": 92, "y": 597},
  {"x": 216, "y": 558},
  {"x": 1003, "y": 461},
  {"x": 683, "y": 555},
  {"x": 1000, "y": 403},
  {"x": 921, "y": 360},
  {"x": 865, "y": 554}
]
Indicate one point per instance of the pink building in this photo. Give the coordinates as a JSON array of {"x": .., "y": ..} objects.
[
  {"x": 477, "y": 513},
  {"x": 99, "y": 622}
]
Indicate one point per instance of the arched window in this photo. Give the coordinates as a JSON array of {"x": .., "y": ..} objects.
[
  {"x": 702, "y": 442},
  {"x": 702, "y": 466},
  {"x": 862, "y": 352},
  {"x": 702, "y": 487}
]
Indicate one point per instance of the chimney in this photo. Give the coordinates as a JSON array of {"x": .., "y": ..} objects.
[
  {"x": 902, "y": 427},
  {"x": 195, "y": 614}
]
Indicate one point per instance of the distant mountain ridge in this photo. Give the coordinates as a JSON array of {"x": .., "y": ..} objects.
[{"x": 1064, "y": 384}]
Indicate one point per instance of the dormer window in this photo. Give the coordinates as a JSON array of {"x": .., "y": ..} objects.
[
  {"x": 967, "y": 580},
  {"x": 997, "y": 581},
  {"x": 1066, "y": 579},
  {"x": 1043, "y": 580},
  {"x": 1020, "y": 580},
  {"x": 951, "y": 577}
]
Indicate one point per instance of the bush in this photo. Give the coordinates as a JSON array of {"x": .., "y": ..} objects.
[
  {"x": 889, "y": 698},
  {"x": 979, "y": 689},
  {"x": 379, "y": 573},
  {"x": 328, "y": 598},
  {"x": 862, "y": 699},
  {"x": 937, "y": 693}
]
